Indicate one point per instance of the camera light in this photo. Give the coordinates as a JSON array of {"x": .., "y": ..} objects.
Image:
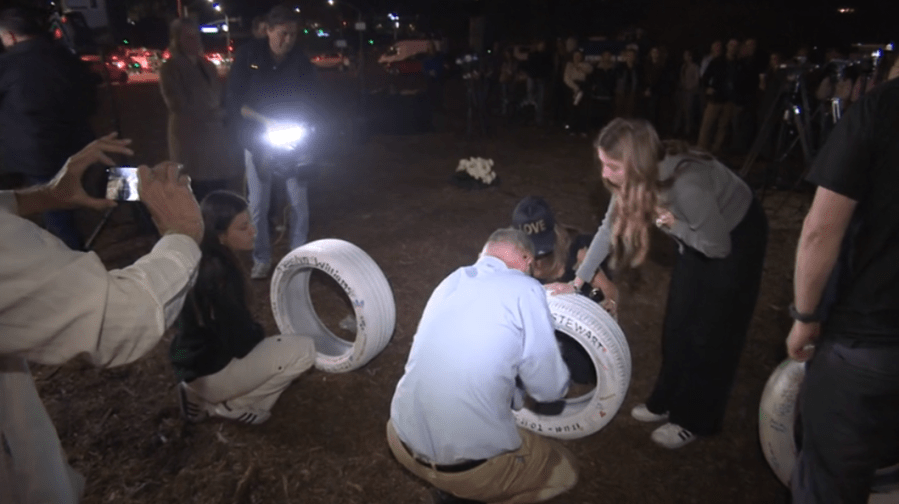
[{"x": 285, "y": 136}]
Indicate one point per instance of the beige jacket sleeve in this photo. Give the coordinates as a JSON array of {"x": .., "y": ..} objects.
[{"x": 57, "y": 303}]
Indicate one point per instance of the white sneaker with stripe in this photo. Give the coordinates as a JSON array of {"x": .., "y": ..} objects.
[
  {"x": 248, "y": 416},
  {"x": 642, "y": 413},
  {"x": 672, "y": 436}
]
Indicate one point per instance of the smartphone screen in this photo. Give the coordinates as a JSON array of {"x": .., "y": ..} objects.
[{"x": 121, "y": 184}]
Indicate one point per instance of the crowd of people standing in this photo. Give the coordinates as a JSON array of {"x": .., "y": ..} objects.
[{"x": 717, "y": 99}]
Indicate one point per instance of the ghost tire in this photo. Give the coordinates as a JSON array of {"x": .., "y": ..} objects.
[
  {"x": 597, "y": 332},
  {"x": 778, "y": 414},
  {"x": 365, "y": 286}
]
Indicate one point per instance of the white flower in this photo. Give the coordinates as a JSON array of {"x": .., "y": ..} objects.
[{"x": 478, "y": 168}]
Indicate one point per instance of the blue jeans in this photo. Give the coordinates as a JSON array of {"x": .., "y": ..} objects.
[{"x": 259, "y": 197}]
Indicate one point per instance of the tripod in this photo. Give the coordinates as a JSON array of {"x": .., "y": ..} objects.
[{"x": 789, "y": 123}]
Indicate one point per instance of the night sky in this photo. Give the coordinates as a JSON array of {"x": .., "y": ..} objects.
[
  {"x": 781, "y": 25},
  {"x": 778, "y": 21}
]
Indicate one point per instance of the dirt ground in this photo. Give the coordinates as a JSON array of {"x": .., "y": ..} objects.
[{"x": 325, "y": 442}]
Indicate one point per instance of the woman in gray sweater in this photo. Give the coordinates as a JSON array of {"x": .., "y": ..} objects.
[{"x": 721, "y": 232}]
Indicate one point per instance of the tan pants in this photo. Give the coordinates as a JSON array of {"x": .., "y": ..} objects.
[
  {"x": 717, "y": 117},
  {"x": 540, "y": 470},
  {"x": 258, "y": 379}
]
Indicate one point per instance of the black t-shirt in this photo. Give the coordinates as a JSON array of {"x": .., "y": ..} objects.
[{"x": 861, "y": 161}]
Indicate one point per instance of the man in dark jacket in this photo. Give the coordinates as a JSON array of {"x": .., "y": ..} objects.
[
  {"x": 46, "y": 99},
  {"x": 539, "y": 68},
  {"x": 272, "y": 82},
  {"x": 720, "y": 82}
]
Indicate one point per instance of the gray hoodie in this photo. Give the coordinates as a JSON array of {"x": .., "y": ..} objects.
[{"x": 707, "y": 199}]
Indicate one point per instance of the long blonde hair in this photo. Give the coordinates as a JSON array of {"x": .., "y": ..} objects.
[{"x": 636, "y": 144}]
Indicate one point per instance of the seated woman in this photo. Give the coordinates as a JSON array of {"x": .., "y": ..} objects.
[
  {"x": 226, "y": 366},
  {"x": 559, "y": 250}
]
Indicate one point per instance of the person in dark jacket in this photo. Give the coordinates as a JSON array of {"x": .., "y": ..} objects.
[
  {"x": 628, "y": 82},
  {"x": 272, "y": 82},
  {"x": 720, "y": 82},
  {"x": 225, "y": 364},
  {"x": 539, "y": 69},
  {"x": 46, "y": 98}
]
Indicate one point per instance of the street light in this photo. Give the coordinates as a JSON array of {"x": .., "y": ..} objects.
[
  {"x": 360, "y": 27},
  {"x": 226, "y": 28}
]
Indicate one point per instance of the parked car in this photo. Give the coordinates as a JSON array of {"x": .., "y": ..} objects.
[
  {"x": 136, "y": 59},
  {"x": 331, "y": 59},
  {"x": 404, "y": 49},
  {"x": 412, "y": 65},
  {"x": 115, "y": 72}
]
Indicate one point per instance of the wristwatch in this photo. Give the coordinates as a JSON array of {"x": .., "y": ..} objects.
[{"x": 806, "y": 318}]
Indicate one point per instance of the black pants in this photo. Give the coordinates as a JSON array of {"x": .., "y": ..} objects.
[
  {"x": 710, "y": 305},
  {"x": 850, "y": 422}
]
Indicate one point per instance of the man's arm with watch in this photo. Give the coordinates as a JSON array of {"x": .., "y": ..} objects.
[{"x": 817, "y": 253}]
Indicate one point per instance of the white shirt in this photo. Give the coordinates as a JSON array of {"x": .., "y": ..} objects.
[
  {"x": 484, "y": 325},
  {"x": 55, "y": 304}
]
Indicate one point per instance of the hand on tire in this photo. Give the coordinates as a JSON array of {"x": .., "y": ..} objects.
[{"x": 557, "y": 288}]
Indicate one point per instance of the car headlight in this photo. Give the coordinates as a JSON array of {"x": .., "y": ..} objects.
[{"x": 285, "y": 136}]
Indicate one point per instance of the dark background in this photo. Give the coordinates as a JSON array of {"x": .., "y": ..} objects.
[{"x": 781, "y": 25}]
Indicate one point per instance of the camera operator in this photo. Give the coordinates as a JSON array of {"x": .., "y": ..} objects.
[
  {"x": 46, "y": 98},
  {"x": 57, "y": 303},
  {"x": 271, "y": 78}
]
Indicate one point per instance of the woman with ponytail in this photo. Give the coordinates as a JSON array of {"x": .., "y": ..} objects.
[{"x": 721, "y": 232}]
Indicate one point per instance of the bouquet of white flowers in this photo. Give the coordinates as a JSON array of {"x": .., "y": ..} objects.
[{"x": 480, "y": 169}]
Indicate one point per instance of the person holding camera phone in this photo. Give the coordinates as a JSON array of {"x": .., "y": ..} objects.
[
  {"x": 57, "y": 303},
  {"x": 271, "y": 80}
]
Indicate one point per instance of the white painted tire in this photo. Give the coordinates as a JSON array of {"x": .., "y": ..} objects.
[
  {"x": 598, "y": 333},
  {"x": 778, "y": 412},
  {"x": 364, "y": 284}
]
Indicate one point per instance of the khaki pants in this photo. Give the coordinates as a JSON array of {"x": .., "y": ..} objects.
[
  {"x": 717, "y": 117},
  {"x": 539, "y": 470},
  {"x": 258, "y": 379}
]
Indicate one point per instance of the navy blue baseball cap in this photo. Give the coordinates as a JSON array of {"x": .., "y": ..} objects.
[{"x": 533, "y": 216}]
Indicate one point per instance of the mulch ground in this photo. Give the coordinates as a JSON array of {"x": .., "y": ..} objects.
[{"x": 325, "y": 442}]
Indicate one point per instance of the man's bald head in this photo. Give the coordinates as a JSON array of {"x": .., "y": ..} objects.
[{"x": 511, "y": 246}]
